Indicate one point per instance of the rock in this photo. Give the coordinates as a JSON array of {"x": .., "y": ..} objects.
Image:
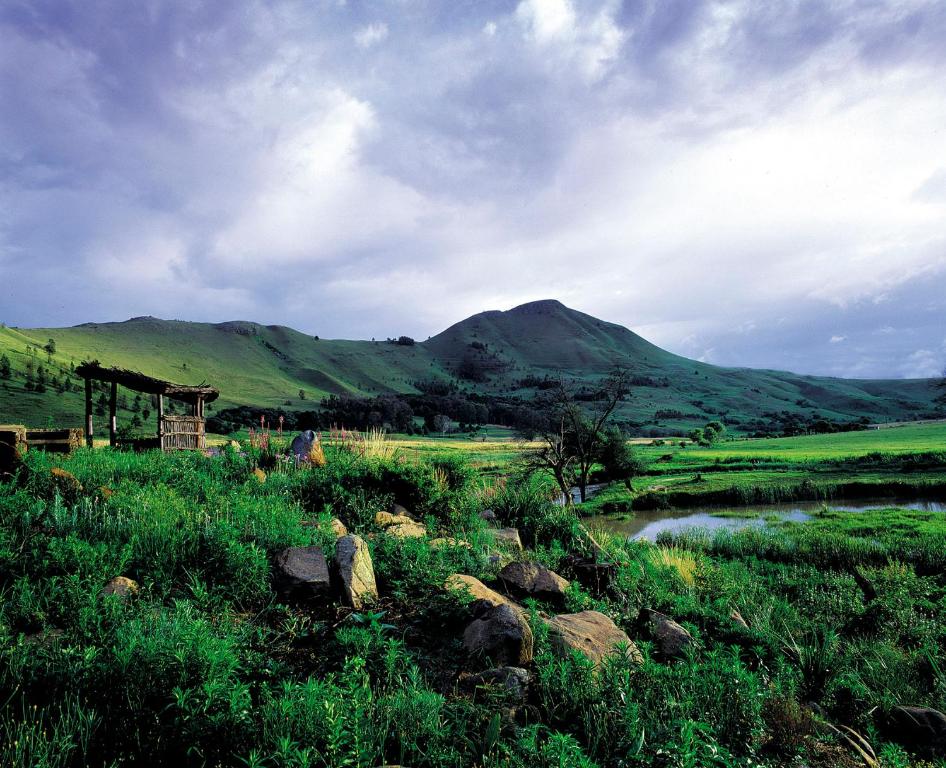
[
  {"x": 533, "y": 580},
  {"x": 919, "y": 729},
  {"x": 303, "y": 572},
  {"x": 483, "y": 597},
  {"x": 338, "y": 528},
  {"x": 593, "y": 634},
  {"x": 515, "y": 680},
  {"x": 449, "y": 541},
  {"x": 503, "y": 634},
  {"x": 121, "y": 586},
  {"x": 301, "y": 445},
  {"x": 508, "y": 537},
  {"x": 398, "y": 511},
  {"x": 400, "y": 525},
  {"x": 356, "y": 571},
  {"x": 260, "y": 475},
  {"x": 670, "y": 638},
  {"x": 488, "y": 515}
]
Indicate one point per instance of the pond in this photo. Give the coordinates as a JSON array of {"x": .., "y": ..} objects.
[{"x": 648, "y": 524}]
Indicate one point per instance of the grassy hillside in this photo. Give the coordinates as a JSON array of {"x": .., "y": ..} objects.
[{"x": 269, "y": 365}]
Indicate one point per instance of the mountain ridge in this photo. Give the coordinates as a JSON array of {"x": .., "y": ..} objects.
[{"x": 497, "y": 353}]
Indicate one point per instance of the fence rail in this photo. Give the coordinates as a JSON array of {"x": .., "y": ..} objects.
[{"x": 182, "y": 433}]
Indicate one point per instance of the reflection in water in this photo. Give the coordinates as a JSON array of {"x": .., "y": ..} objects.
[{"x": 648, "y": 524}]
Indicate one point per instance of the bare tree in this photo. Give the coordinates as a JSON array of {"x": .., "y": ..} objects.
[{"x": 574, "y": 431}]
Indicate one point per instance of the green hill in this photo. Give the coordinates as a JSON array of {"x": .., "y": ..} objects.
[{"x": 501, "y": 353}]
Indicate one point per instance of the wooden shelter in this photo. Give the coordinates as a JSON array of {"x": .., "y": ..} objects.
[{"x": 174, "y": 432}]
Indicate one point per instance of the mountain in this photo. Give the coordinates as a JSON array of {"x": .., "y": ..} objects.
[{"x": 499, "y": 353}]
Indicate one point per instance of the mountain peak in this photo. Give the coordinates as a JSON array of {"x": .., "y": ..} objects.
[{"x": 540, "y": 307}]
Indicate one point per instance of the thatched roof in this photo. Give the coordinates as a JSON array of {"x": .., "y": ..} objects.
[{"x": 141, "y": 383}]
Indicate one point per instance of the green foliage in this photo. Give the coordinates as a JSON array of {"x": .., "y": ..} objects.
[{"x": 208, "y": 665}]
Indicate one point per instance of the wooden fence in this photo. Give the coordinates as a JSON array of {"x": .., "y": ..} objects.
[
  {"x": 54, "y": 440},
  {"x": 182, "y": 433}
]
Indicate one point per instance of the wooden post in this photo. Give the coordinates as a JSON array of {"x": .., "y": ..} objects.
[
  {"x": 112, "y": 409},
  {"x": 88, "y": 412},
  {"x": 161, "y": 422}
]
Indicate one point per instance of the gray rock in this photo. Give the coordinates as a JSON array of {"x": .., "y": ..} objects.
[
  {"x": 356, "y": 571},
  {"x": 503, "y": 634},
  {"x": 515, "y": 680},
  {"x": 592, "y": 634},
  {"x": 670, "y": 638},
  {"x": 488, "y": 515},
  {"x": 303, "y": 572},
  {"x": 919, "y": 729},
  {"x": 302, "y": 444},
  {"x": 121, "y": 586},
  {"x": 533, "y": 580}
]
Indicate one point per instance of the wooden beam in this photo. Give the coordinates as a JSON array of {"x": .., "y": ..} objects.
[
  {"x": 112, "y": 410},
  {"x": 88, "y": 412},
  {"x": 161, "y": 421}
]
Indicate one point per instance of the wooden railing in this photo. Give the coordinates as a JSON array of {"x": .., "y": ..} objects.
[{"x": 182, "y": 433}]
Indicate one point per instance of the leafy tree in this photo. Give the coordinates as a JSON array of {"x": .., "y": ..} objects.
[
  {"x": 618, "y": 458},
  {"x": 50, "y": 348},
  {"x": 6, "y": 369},
  {"x": 574, "y": 431},
  {"x": 714, "y": 431},
  {"x": 697, "y": 436},
  {"x": 942, "y": 385},
  {"x": 302, "y": 394}
]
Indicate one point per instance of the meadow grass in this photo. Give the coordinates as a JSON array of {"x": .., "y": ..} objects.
[{"x": 209, "y": 665}]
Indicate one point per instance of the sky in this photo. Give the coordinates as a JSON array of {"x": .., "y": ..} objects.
[{"x": 749, "y": 184}]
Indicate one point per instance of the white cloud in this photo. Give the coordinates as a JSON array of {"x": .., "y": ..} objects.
[
  {"x": 836, "y": 339},
  {"x": 372, "y": 34},
  {"x": 592, "y": 41}
]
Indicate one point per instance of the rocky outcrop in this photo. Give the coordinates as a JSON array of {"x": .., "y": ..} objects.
[
  {"x": 533, "y": 580},
  {"x": 670, "y": 638},
  {"x": 592, "y": 634},
  {"x": 502, "y": 634},
  {"x": 338, "y": 528},
  {"x": 355, "y": 571},
  {"x": 302, "y": 572},
  {"x": 483, "y": 597}
]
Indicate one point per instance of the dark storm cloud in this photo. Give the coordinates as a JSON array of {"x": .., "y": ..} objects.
[{"x": 753, "y": 183}]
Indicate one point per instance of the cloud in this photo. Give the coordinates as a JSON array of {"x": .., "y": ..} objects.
[
  {"x": 735, "y": 180},
  {"x": 372, "y": 34},
  {"x": 836, "y": 339}
]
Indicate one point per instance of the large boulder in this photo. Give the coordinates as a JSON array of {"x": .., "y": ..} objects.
[
  {"x": 670, "y": 638},
  {"x": 484, "y": 598},
  {"x": 303, "y": 572},
  {"x": 919, "y": 729},
  {"x": 503, "y": 634},
  {"x": 533, "y": 580},
  {"x": 356, "y": 571},
  {"x": 400, "y": 525},
  {"x": 593, "y": 634}
]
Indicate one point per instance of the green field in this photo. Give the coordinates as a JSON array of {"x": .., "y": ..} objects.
[{"x": 210, "y": 663}]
